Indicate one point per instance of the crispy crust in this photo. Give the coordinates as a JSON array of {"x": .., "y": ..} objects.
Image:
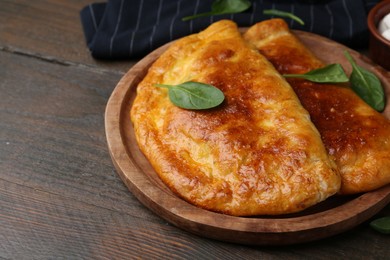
[
  {"x": 257, "y": 153},
  {"x": 356, "y": 136}
]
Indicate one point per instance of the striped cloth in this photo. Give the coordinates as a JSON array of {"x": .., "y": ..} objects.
[{"x": 122, "y": 29}]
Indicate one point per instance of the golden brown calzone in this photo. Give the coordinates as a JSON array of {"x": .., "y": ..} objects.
[
  {"x": 257, "y": 153},
  {"x": 355, "y": 135}
]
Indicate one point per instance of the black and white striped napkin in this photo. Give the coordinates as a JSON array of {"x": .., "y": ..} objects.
[{"x": 123, "y": 29}]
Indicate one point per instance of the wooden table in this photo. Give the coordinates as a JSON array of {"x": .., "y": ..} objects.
[{"x": 60, "y": 196}]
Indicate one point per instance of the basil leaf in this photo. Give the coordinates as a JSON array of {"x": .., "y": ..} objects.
[
  {"x": 223, "y": 7},
  {"x": 381, "y": 225},
  {"x": 366, "y": 85},
  {"x": 194, "y": 95},
  {"x": 284, "y": 14},
  {"x": 332, "y": 73}
]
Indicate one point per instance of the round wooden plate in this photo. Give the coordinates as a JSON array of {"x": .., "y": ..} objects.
[{"x": 333, "y": 216}]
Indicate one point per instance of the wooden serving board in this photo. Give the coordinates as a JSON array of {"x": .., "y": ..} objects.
[{"x": 335, "y": 215}]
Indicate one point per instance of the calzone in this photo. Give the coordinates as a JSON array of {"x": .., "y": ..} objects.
[
  {"x": 356, "y": 136},
  {"x": 257, "y": 153}
]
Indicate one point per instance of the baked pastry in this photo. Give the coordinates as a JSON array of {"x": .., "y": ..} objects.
[
  {"x": 356, "y": 136},
  {"x": 257, "y": 153}
]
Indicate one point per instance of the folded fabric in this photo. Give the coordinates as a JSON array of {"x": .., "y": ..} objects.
[{"x": 123, "y": 29}]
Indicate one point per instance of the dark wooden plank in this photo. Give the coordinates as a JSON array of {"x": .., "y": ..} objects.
[
  {"x": 61, "y": 197},
  {"x": 42, "y": 225},
  {"x": 52, "y": 129},
  {"x": 50, "y": 29}
]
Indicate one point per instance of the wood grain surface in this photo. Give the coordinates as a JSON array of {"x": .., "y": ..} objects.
[
  {"x": 50, "y": 30},
  {"x": 60, "y": 195}
]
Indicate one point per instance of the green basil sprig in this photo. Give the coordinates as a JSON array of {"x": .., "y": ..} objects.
[
  {"x": 332, "y": 73},
  {"x": 366, "y": 85},
  {"x": 194, "y": 95},
  {"x": 284, "y": 14},
  {"x": 381, "y": 225},
  {"x": 223, "y": 7}
]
